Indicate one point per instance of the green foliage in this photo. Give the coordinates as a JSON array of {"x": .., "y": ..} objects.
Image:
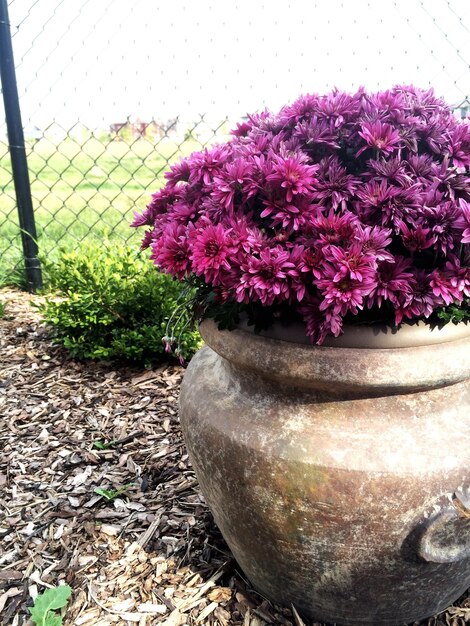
[
  {"x": 101, "y": 445},
  {"x": 2, "y": 309},
  {"x": 110, "y": 303},
  {"x": 111, "y": 494},
  {"x": 455, "y": 314},
  {"x": 45, "y": 605}
]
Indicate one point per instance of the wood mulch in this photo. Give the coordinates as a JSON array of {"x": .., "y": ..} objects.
[{"x": 145, "y": 549}]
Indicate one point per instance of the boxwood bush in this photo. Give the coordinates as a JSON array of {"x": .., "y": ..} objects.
[{"x": 107, "y": 302}]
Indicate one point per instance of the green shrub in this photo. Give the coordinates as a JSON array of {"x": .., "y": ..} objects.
[{"x": 109, "y": 303}]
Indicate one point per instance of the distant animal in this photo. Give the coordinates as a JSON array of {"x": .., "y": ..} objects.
[{"x": 116, "y": 128}]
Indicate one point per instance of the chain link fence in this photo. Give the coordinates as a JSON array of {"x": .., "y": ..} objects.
[{"x": 112, "y": 92}]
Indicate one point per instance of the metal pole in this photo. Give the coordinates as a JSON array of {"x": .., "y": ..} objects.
[{"x": 18, "y": 153}]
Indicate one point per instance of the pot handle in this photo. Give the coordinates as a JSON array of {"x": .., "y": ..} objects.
[{"x": 446, "y": 535}]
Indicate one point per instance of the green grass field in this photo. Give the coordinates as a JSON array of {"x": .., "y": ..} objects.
[{"x": 81, "y": 190}]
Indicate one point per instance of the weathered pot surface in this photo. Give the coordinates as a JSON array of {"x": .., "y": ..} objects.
[{"x": 339, "y": 476}]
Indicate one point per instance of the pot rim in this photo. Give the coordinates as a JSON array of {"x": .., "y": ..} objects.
[
  {"x": 369, "y": 369},
  {"x": 370, "y": 336}
]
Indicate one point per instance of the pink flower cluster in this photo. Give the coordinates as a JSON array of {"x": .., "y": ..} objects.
[{"x": 336, "y": 206}]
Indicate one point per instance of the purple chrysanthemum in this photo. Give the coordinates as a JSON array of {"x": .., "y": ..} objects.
[
  {"x": 374, "y": 241},
  {"x": 346, "y": 295},
  {"x": 459, "y": 145},
  {"x": 351, "y": 263},
  {"x": 336, "y": 229},
  {"x": 205, "y": 165},
  {"x": 392, "y": 280},
  {"x": 179, "y": 172},
  {"x": 419, "y": 300},
  {"x": 291, "y": 216},
  {"x": 170, "y": 252},
  {"x": 444, "y": 222},
  {"x": 415, "y": 238},
  {"x": 333, "y": 205},
  {"x": 235, "y": 178},
  {"x": 334, "y": 186},
  {"x": 465, "y": 220},
  {"x": 379, "y": 135},
  {"x": 292, "y": 174},
  {"x": 211, "y": 250},
  {"x": 393, "y": 171},
  {"x": 267, "y": 276}
]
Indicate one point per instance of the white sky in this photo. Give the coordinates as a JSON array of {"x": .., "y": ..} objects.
[{"x": 99, "y": 61}]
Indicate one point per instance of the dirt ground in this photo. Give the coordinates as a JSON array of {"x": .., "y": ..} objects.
[{"x": 143, "y": 549}]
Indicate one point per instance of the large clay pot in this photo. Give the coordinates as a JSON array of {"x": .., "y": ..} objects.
[{"x": 339, "y": 475}]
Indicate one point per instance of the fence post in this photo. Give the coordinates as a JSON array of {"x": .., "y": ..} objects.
[{"x": 19, "y": 163}]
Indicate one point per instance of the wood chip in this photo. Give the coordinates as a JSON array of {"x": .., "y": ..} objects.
[{"x": 298, "y": 620}]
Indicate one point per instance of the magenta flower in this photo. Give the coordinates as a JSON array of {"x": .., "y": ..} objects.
[
  {"x": 303, "y": 109},
  {"x": 392, "y": 280},
  {"x": 292, "y": 174},
  {"x": 160, "y": 203},
  {"x": 205, "y": 165},
  {"x": 332, "y": 324},
  {"x": 247, "y": 238},
  {"x": 268, "y": 275},
  {"x": 235, "y": 178},
  {"x": 316, "y": 133},
  {"x": 374, "y": 241},
  {"x": 419, "y": 300},
  {"x": 334, "y": 186},
  {"x": 454, "y": 183},
  {"x": 242, "y": 129},
  {"x": 313, "y": 318},
  {"x": 287, "y": 220},
  {"x": 147, "y": 239},
  {"x": 387, "y": 205},
  {"x": 312, "y": 259},
  {"x": 420, "y": 167},
  {"x": 336, "y": 229},
  {"x": 376, "y": 202},
  {"x": 433, "y": 130},
  {"x": 345, "y": 295},
  {"x": 171, "y": 251},
  {"x": 419, "y": 102},
  {"x": 298, "y": 282},
  {"x": 443, "y": 287},
  {"x": 352, "y": 263},
  {"x": 416, "y": 238},
  {"x": 459, "y": 145},
  {"x": 465, "y": 220},
  {"x": 394, "y": 171},
  {"x": 388, "y": 104},
  {"x": 179, "y": 172},
  {"x": 211, "y": 251},
  {"x": 146, "y": 218},
  {"x": 290, "y": 215},
  {"x": 444, "y": 222},
  {"x": 184, "y": 212},
  {"x": 459, "y": 276},
  {"x": 339, "y": 107},
  {"x": 379, "y": 135}
]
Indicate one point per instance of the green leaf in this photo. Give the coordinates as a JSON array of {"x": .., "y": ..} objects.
[
  {"x": 103, "y": 446},
  {"x": 42, "y": 613},
  {"x": 108, "y": 304},
  {"x": 111, "y": 494}
]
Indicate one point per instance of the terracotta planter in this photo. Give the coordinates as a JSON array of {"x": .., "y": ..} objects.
[{"x": 339, "y": 475}]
